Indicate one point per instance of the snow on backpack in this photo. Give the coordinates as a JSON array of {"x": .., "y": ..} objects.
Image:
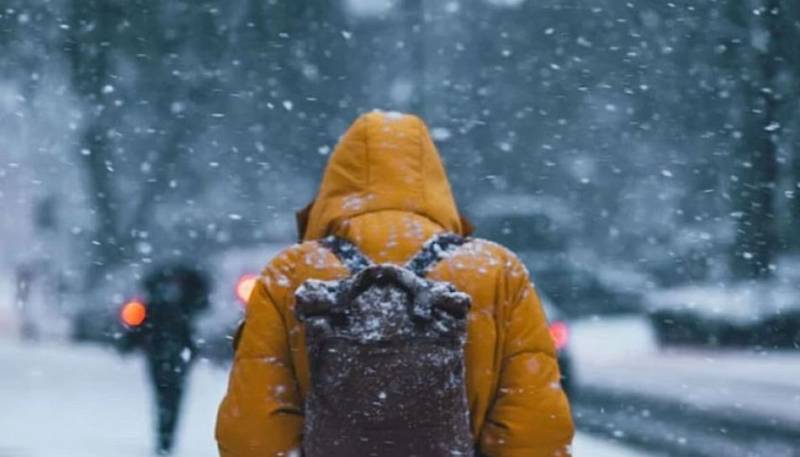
[{"x": 386, "y": 352}]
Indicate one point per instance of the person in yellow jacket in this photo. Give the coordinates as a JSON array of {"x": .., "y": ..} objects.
[{"x": 385, "y": 189}]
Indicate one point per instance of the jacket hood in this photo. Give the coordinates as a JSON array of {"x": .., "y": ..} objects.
[{"x": 385, "y": 161}]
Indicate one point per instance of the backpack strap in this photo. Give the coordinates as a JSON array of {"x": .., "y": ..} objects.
[
  {"x": 433, "y": 251},
  {"x": 347, "y": 253}
]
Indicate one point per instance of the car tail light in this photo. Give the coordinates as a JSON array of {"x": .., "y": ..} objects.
[
  {"x": 559, "y": 331},
  {"x": 245, "y": 286},
  {"x": 133, "y": 313}
]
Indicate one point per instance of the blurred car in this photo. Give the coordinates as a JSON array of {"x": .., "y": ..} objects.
[
  {"x": 541, "y": 230},
  {"x": 762, "y": 314},
  {"x": 560, "y": 332},
  {"x": 584, "y": 286},
  {"x": 98, "y": 313}
]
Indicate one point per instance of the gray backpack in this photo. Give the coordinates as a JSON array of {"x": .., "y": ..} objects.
[{"x": 386, "y": 352}]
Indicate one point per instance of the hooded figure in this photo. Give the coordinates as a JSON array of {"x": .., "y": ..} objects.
[
  {"x": 176, "y": 293},
  {"x": 385, "y": 190}
]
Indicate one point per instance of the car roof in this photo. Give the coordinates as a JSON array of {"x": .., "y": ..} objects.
[{"x": 550, "y": 309}]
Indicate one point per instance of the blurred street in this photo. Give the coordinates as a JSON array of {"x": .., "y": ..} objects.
[
  {"x": 685, "y": 402},
  {"x": 86, "y": 401}
]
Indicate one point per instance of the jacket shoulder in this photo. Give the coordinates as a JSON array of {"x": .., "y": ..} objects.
[
  {"x": 491, "y": 254},
  {"x": 295, "y": 255},
  {"x": 298, "y": 262}
]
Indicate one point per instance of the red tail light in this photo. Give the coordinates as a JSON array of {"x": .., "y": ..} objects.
[
  {"x": 133, "y": 313},
  {"x": 245, "y": 286},
  {"x": 559, "y": 331}
]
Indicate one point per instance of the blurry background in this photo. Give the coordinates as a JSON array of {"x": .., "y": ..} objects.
[{"x": 642, "y": 156}]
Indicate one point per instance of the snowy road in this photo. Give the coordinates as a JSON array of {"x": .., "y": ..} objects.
[
  {"x": 686, "y": 402},
  {"x": 87, "y": 402},
  {"x": 620, "y": 355}
]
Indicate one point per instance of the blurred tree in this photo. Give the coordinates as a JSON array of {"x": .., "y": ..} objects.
[
  {"x": 92, "y": 29},
  {"x": 755, "y": 174},
  {"x": 790, "y": 82},
  {"x": 202, "y": 123},
  {"x": 162, "y": 83},
  {"x": 416, "y": 25}
]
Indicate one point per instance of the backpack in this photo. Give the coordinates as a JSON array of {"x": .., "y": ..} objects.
[{"x": 386, "y": 355}]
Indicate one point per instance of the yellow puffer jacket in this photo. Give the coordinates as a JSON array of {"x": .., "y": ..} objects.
[{"x": 386, "y": 190}]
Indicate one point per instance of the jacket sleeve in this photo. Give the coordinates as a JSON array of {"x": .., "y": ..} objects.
[
  {"x": 530, "y": 416},
  {"x": 261, "y": 414}
]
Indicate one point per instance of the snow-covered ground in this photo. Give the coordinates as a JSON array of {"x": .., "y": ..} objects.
[
  {"x": 621, "y": 354},
  {"x": 589, "y": 446},
  {"x": 87, "y": 402},
  {"x": 84, "y": 401}
]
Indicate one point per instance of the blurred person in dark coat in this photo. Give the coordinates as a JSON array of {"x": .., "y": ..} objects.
[{"x": 162, "y": 327}]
